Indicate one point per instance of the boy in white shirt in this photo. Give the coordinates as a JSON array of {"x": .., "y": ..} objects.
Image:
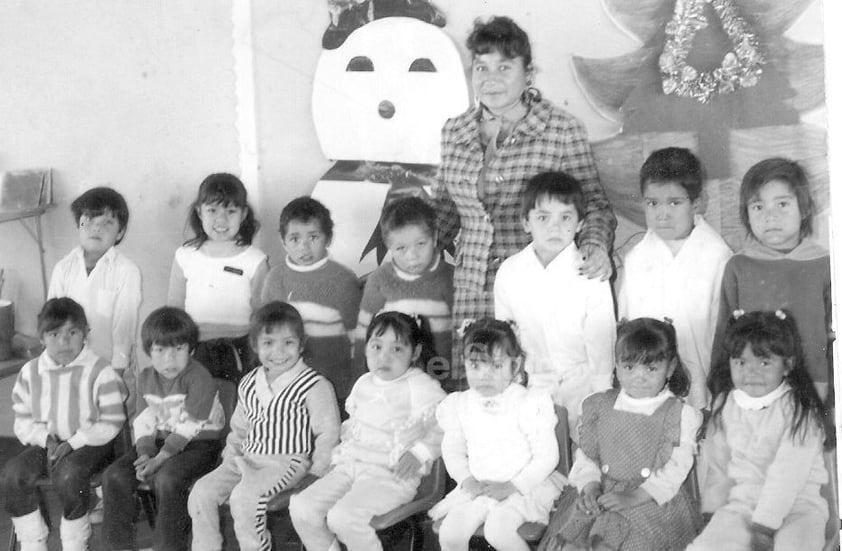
[
  {"x": 566, "y": 321},
  {"x": 675, "y": 272}
]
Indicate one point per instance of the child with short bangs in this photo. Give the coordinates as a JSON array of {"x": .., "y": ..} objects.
[
  {"x": 499, "y": 445},
  {"x": 107, "y": 284},
  {"x": 763, "y": 460},
  {"x": 676, "y": 270},
  {"x": 637, "y": 443},
  {"x": 68, "y": 406},
  {"x": 326, "y": 293},
  {"x": 777, "y": 212},
  {"x": 176, "y": 431},
  {"x": 416, "y": 281},
  {"x": 284, "y": 427},
  {"x": 565, "y": 320},
  {"x": 389, "y": 442}
]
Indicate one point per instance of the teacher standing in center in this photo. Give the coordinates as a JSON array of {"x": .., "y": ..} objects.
[{"x": 488, "y": 154}]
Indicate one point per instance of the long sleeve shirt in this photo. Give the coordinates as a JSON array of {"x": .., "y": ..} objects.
[
  {"x": 389, "y": 418},
  {"x": 565, "y": 321},
  {"x": 506, "y": 438},
  {"x": 111, "y": 297},
  {"x": 685, "y": 288},
  {"x": 490, "y": 228},
  {"x": 81, "y": 403},
  {"x": 178, "y": 410},
  {"x": 664, "y": 483},
  {"x": 754, "y": 456}
]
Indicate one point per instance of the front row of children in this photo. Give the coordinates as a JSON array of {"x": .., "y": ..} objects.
[{"x": 761, "y": 468}]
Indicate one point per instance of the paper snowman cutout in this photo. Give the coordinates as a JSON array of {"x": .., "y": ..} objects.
[
  {"x": 386, "y": 92},
  {"x": 381, "y": 98}
]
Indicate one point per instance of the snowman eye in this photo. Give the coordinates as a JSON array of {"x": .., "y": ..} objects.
[
  {"x": 360, "y": 63},
  {"x": 422, "y": 65}
]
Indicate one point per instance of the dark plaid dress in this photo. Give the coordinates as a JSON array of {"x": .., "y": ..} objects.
[{"x": 629, "y": 447}]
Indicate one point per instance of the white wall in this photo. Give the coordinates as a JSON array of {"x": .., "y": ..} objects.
[{"x": 134, "y": 95}]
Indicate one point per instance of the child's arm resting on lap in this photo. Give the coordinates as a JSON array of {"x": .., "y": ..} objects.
[
  {"x": 537, "y": 421},
  {"x": 27, "y": 429},
  {"x": 110, "y": 392},
  {"x": 423, "y": 432},
  {"x": 665, "y": 483},
  {"x": 324, "y": 422},
  {"x": 454, "y": 448}
]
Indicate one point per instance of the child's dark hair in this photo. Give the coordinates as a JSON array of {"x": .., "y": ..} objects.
[
  {"x": 222, "y": 189},
  {"x": 273, "y": 315},
  {"x": 769, "y": 334},
  {"x": 502, "y": 35},
  {"x": 486, "y": 335},
  {"x": 675, "y": 165},
  {"x": 413, "y": 331},
  {"x": 552, "y": 185},
  {"x": 58, "y": 311},
  {"x": 784, "y": 170},
  {"x": 98, "y": 201},
  {"x": 169, "y": 326},
  {"x": 647, "y": 340},
  {"x": 304, "y": 209},
  {"x": 405, "y": 212}
]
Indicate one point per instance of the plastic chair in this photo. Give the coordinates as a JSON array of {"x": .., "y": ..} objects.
[{"x": 532, "y": 532}]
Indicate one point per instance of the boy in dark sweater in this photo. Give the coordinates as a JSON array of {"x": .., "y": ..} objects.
[
  {"x": 325, "y": 293},
  {"x": 177, "y": 433}
]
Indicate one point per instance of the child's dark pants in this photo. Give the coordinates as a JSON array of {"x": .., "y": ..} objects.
[
  {"x": 171, "y": 486},
  {"x": 71, "y": 478}
]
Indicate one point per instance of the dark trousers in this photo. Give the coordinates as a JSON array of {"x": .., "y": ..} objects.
[
  {"x": 71, "y": 478},
  {"x": 228, "y": 359},
  {"x": 171, "y": 485}
]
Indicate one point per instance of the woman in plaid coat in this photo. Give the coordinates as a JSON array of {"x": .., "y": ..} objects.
[{"x": 488, "y": 154}]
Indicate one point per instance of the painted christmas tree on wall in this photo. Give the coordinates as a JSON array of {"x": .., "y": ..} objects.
[{"x": 717, "y": 76}]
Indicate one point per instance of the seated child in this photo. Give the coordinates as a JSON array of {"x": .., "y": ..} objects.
[
  {"x": 417, "y": 281},
  {"x": 499, "y": 445},
  {"x": 763, "y": 450},
  {"x": 388, "y": 443},
  {"x": 68, "y": 406},
  {"x": 777, "y": 211},
  {"x": 636, "y": 449},
  {"x": 284, "y": 426},
  {"x": 565, "y": 320},
  {"x": 176, "y": 432},
  {"x": 103, "y": 280},
  {"x": 326, "y": 293},
  {"x": 675, "y": 272}
]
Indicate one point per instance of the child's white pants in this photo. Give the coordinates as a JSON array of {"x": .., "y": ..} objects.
[
  {"x": 501, "y": 524},
  {"x": 342, "y": 503},
  {"x": 730, "y": 529},
  {"x": 247, "y": 483}
]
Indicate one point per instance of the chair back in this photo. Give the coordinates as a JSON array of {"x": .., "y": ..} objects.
[
  {"x": 227, "y": 394},
  {"x": 562, "y": 434},
  {"x": 430, "y": 492}
]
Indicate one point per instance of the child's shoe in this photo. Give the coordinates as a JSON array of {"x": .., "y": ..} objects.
[
  {"x": 31, "y": 531},
  {"x": 75, "y": 534}
]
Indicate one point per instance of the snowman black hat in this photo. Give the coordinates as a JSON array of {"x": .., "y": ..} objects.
[{"x": 346, "y": 16}]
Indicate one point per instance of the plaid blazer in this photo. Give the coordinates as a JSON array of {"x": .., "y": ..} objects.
[{"x": 489, "y": 231}]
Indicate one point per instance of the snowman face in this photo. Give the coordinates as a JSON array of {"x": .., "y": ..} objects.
[{"x": 386, "y": 92}]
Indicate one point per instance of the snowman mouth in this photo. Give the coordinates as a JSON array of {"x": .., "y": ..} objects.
[{"x": 386, "y": 109}]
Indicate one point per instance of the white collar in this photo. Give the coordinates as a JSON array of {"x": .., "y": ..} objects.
[
  {"x": 753, "y": 404},
  {"x": 108, "y": 255},
  {"x": 309, "y": 268},
  {"x": 567, "y": 257},
  {"x": 46, "y": 363},
  {"x": 625, "y": 402}
]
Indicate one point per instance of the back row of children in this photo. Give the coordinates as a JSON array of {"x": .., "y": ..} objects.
[{"x": 571, "y": 358}]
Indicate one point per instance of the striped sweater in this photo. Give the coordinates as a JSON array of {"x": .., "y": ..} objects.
[
  {"x": 81, "y": 403},
  {"x": 431, "y": 295},
  {"x": 327, "y": 294}
]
